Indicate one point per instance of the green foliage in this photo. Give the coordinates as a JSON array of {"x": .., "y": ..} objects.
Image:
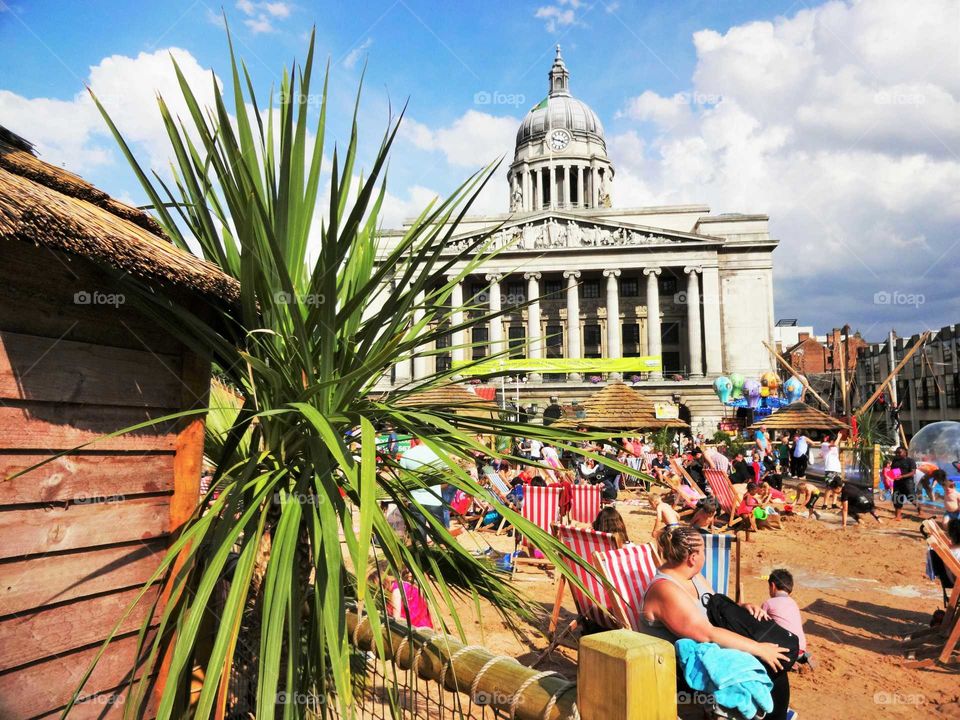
[
  {"x": 663, "y": 440},
  {"x": 317, "y": 323}
]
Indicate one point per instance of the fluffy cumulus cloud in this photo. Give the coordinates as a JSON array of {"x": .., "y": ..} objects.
[
  {"x": 73, "y": 134},
  {"x": 559, "y": 15},
  {"x": 842, "y": 122}
]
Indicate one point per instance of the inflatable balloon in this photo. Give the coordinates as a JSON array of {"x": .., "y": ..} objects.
[
  {"x": 792, "y": 390},
  {"x": 751, "y": 391},
  {"x": 737, "y": 380},
  {"x": 937, "y": 445},
  {"x": 723, "y": 388},
  {"x": 771, "y": 381},
  {"x": 764, "y": 391}
]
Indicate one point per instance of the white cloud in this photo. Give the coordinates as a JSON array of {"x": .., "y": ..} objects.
[
  {"x": 73, "y": 134},
  {"x": 561, "y": 14},
  {"x": 277, "y": 9},
  {"x": 843, "y": 123},
  {"x": 472, "y": 140},
  {"x": 350, "y": 61},
  {"x": 259, "y": 24},
  {"x": 246, "y": 7},
  {"x": 215, "y": 18}
]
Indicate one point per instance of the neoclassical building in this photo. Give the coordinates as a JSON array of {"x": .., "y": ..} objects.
[{"x": 600, "y": 281}]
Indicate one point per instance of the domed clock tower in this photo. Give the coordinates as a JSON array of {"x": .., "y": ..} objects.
[{"x": 560, "y": 161}]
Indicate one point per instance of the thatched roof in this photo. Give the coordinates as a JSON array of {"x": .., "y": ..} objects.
[
  {"x": 618, "y": 407},
  {"x": 50, "y": 207},
  {"x": 800, "y": 416},
  {"x": 453, "y": 395}
]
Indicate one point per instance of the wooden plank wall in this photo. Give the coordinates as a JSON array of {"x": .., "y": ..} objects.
[{"x": 80, "y": 534}]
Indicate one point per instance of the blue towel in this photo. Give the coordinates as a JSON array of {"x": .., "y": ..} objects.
[{"x": 736, "y": 679}]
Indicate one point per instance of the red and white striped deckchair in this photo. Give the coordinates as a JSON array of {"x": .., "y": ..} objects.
[
  {"x": 541, "y": 506},
  {"x": 585, "y": 504},
  {"x": 630, "y": 571},
  {"x": 585, "y": 543},
  {"x": 723, "y": 491}
]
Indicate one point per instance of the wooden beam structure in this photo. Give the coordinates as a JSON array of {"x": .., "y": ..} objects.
[
  {"x": 924, "y": 336},
  {"x": 790, "y": 369}
]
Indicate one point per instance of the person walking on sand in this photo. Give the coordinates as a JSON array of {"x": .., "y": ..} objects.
[{"x": 904, "y": 488}]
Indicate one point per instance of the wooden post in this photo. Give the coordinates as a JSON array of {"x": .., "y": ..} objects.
[
  {"x": 624, "y": 675},
  {"x": 876, "y": 465},
  {"x": 789, "y": 368},
  {"x": 843, "y": 376}
]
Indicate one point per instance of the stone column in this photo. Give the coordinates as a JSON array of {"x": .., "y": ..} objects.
[
  {"x": 614, "y": 336},
  {"x": 457, "y": 337},
  {"x": 595, "y": 187},
  {"x": 711, "y": 321},
  {"x": 526, "y": 189},
  {"x": 420, "y": 361},
  {"x": 580, "y": 178},
  {"x": 534, "y": 339},
  {"x": 496, "y": 324},
  {"x": 654, "y": 345},
  {"x": 567, "y": 171},
  {"x": 552, "y": 187},
  {"x": 534, "y": 190},
  {"x": 574, "y": 351},
  {"x": 403, "y": 369},
  {"x": 693, "y": 321}
]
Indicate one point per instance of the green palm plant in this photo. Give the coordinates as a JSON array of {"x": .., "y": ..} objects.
[{"x": 325, "y": 310}]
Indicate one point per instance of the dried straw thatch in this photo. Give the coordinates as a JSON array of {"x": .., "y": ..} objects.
[
  {"x": 50, "y": 207},
  {"x": 618, "y": 407},
  {"x": 800, "y": 416},
  {"x": 454, "y": 396}
]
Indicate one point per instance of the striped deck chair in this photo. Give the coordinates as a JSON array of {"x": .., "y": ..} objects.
[
  {"x": 629, "y": 570},
  {"x": 716, "y": 565},
  {"x": 585, "y": 503},
  {"x": 690, "y": 493},
  {"x": 585, "y": 543},
  {"x": 541, "y": 506},
  {"x": 949, "y": 627},
  {"x": 723, "y": 491},
  {"x": 500, "y": 490}
]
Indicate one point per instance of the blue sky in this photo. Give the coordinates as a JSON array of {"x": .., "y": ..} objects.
[{"x": 839, "y": 120}]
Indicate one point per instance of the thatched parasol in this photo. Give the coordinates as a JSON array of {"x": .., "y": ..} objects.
[
  {"x": 618, "y": 407},
  {"x": 799, "y": 416},
  {"x": 453, "y": 396},
  {"x": 50, "y": 207}
]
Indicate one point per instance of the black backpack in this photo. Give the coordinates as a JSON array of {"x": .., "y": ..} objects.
[{"x": 725, "y": 613}]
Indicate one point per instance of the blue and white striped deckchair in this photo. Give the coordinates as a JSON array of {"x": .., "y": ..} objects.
[
  {"x": 500, "y": 491},
  {"x": 717, "y": 562}
]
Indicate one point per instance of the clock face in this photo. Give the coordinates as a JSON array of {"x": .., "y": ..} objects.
[{"x": 559, "y": 139}]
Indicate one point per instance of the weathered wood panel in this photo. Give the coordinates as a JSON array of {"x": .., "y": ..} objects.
[
  {"x": 46, "y": 427},
  {"x": 34, "y": 531},
  {"x": 56, "y": 370},
  {"x": 44, "y": 303},
  {"x": 104, "y": 706},
  {"x": 40, "y": 581},
  {"x": 36, "y": 635},
  {"x": 48, "y": 685},
  {"x": 83, "y": 477}
]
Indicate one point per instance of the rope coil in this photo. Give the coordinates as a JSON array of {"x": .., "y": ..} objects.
[{"x": 523, "y": 686}]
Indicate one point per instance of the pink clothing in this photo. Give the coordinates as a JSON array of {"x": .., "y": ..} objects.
[
  {"x": 417, "y": 612},
  {"x": 785, "y": 612}
]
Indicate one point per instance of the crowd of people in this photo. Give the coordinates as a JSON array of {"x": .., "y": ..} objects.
[{"x": 679, "y": 604}]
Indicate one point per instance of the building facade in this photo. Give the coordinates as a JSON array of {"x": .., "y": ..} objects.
[
  {"x": 928, "y": 386},
  {"x": 593, "y": 280}
]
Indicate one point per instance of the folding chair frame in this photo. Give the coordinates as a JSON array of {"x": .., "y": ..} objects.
[
  {"x": 542, "y": 563},
  {"x": 950, "y": 626},
  {"x": 724, "y": 482}
]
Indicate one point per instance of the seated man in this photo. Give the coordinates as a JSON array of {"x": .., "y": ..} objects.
[{"x": 660, "y": 465}]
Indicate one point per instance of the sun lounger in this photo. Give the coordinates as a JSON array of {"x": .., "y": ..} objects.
[
  {"x": 629, "y": 570},
  {"x": 541, "y": 506},
  {"x": 585, "y": 543},
  {"x": 723, "y": 491},
  {"x": 949, "y": 627},
  {"x": 718, "y": 551},
  {"x": 585, "y": 505}
]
